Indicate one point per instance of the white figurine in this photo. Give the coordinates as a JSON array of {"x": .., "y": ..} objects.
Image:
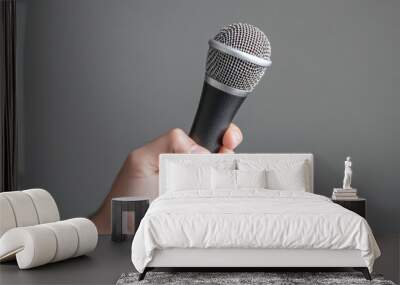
[{"x": 347, "y": 173}]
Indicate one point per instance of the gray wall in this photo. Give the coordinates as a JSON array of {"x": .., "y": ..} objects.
[{"x": 100, "y": 78}]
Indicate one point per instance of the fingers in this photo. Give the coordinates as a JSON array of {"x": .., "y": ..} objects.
[
  {"x": 174, "y": 141},
  {"x": 232, "y": 138},
  {"x": 180, "y": 142},
  {"x": 226, "y": 150},
  {"x": 144, "y": 160}
]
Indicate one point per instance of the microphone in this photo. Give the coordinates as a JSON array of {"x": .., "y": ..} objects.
[{"x": 237, "y": 59}]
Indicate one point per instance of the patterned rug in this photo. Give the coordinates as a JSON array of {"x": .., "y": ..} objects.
[{"x": 269, "y": 278}]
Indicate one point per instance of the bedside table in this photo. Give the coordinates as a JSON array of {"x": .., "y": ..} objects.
[
  {"x": 358, "y": 206},
  {"x": 122, "y": 209}
]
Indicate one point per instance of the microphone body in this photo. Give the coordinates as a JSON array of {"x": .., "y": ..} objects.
[
  {"x": 215, "y": 112},
  {"x": 237, "y": 58}
]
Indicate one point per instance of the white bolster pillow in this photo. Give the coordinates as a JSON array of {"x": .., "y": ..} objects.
[
  {"x": 40, "y": 244},
  {"x": 87, "y": 235},
  {"x": 23, "y": 208},
  {"x": 46, "y": 207},
  {"x": 7, "y": 219},
  {"x": 26, "y": 208}
]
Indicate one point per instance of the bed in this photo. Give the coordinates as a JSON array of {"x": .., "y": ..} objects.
[{"x": 247, "y": 211}]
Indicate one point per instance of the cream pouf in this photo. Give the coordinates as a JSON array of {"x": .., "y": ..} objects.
[{"x": 31, "y": 232}]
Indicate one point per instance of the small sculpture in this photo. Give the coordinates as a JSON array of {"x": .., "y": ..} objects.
[{"x": 347, "y": 174}]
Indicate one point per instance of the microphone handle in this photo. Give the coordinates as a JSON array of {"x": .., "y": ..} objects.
[{"x": 214, "y": 114}]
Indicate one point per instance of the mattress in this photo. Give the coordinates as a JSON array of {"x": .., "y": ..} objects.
[{"x": 251, "y": 219}]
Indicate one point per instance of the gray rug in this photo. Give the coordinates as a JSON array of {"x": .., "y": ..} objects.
[{"x": 231, "y": 278}]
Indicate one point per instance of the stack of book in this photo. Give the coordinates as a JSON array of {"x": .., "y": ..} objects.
[{"x": 344, "y": 194}]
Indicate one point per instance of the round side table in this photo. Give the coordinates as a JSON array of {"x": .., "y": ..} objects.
[{"x": 122, "y": 208}]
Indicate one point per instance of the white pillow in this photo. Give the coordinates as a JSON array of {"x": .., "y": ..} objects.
[
  {"x": 224, "y": 179},
  {"x": 281, "y": 174},
  {"x": 251, "y": 178},
  {"x": 188, "y": 177},
  {"x": 288, "y": 179}
]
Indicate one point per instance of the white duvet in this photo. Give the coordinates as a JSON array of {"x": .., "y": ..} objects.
[{"x": 251, "y": 218}]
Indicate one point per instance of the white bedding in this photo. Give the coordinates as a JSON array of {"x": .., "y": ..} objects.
[{"x": 250, "y": 218}]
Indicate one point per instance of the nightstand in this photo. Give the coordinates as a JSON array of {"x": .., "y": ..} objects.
[
  {"x": 358, "y": 206},
  {"x": 123, "y": 209}
]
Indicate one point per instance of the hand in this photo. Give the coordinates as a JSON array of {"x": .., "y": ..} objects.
[{"x": 139, "y": 173}]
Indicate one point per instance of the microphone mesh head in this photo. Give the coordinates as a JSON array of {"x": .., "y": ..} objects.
[{"x": 232, "y": 71}]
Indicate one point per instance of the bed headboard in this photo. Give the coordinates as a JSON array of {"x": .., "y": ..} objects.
[{"x": 213, "y": 159}]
